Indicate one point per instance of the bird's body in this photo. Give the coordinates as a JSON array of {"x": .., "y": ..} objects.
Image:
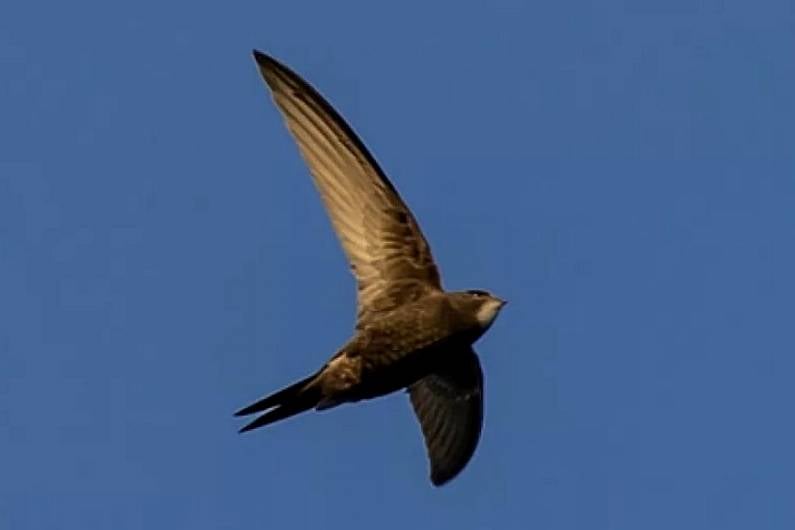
[
  {"x": 393, "y": 350},
  {"x": 410, "y": 333}
]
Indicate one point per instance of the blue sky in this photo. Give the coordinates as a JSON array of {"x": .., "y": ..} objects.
[{"x": 622, "y": 171}]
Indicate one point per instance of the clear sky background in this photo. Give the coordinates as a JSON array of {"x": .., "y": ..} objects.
[{"x": 622, "y": 171}]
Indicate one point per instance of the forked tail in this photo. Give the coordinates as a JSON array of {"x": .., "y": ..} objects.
[{"x": 289, "y": 401}]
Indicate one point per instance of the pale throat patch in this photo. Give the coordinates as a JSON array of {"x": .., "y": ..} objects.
[{"x": 488, "y": 312}]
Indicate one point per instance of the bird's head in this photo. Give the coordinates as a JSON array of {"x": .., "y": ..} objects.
[{"x": 483, "y": 305}]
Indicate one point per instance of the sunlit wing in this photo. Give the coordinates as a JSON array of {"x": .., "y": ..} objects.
[{"x": 389, "y": 256}]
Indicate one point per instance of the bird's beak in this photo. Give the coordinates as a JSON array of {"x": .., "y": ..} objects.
[{"x": 502, "y": 302}]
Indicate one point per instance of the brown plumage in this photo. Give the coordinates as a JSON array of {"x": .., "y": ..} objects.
[{"x": 409, "y": 332}]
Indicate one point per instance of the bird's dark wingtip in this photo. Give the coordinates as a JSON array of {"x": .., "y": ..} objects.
[
  {"x": 263, "y": 59},
  {"x": 441, "y": 479}
]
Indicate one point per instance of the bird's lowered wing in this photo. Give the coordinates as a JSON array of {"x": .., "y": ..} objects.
[
  {"x": 449, "y": 407},
  {"x": 388, "y": 254}
]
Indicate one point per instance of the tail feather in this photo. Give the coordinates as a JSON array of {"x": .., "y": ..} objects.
[{"x": 289, "y": 401}]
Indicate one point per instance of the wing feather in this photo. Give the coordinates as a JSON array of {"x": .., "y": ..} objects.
[
  {"x": 388, "y": 253},
  {"x": 449, "y": 407}
]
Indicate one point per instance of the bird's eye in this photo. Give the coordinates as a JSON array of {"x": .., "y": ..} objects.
[{"x": 478, "y": 292}]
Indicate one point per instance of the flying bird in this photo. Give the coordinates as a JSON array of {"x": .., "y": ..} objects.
[{"x": 410, "y": 333}]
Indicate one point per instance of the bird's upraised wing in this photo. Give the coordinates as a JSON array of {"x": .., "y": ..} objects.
[
  {"x": 449, "y": 407},
  {"x": 388, "y": 254}
]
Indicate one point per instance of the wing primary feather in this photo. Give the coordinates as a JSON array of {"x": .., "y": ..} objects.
[
  {"x": 378, "y": 233},
  {"x": 449, "y": 407}
]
